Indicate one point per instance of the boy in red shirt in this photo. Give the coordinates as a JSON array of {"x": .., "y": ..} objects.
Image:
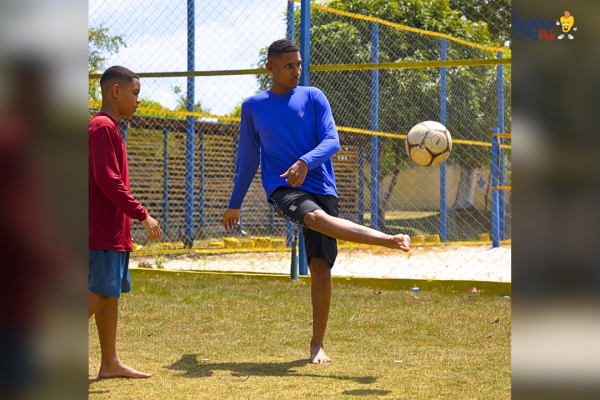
[{"x": 111, "y": 209}]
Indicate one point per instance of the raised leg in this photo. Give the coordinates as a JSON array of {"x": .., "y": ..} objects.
[{"x": 343, "y": 229}]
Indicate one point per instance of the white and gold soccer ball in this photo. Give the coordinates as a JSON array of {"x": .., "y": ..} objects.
[{"x": 428, "y": 143}]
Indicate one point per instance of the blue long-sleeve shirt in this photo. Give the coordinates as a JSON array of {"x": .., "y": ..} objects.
[{"x": 278, "y": 130}]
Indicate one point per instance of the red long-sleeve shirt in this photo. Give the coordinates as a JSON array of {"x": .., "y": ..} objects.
[{"x": 111, "y": 204}]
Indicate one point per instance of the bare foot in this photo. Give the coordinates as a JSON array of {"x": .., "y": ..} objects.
[
  {"x": 399, "y": 241},
  {"x": 120, "y": 370},
  {"x": 317, "y": 354}
]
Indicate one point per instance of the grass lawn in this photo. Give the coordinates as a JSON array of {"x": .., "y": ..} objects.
[{"x": 221, "y": 337}]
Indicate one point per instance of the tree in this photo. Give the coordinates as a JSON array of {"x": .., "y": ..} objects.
[
  {"x": 235, "y": 113},
  {"x": 100, "y": 45},
  {"x": 182, "y": 103},
  {"x": 496, "y": 13},
  {"x": 406, "y": 96},
  {"x": 146, "y": 103}
]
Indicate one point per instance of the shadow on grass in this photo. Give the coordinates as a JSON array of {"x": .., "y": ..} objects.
[
  {"x": 366, "y": 392},
  {"x": 193, "y": 369}
]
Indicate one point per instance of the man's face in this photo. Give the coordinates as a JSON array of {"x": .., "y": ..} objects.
[
  {"x": 127, "y": 97},
  {"x": 286, "y": 70}
]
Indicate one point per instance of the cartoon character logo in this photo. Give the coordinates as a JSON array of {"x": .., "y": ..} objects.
[{"x": 566, "y": 23}]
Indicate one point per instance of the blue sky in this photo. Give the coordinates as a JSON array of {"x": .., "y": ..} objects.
[{"x": 229, "y": 35}]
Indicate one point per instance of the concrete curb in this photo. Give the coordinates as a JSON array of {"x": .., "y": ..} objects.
[{"x": 489, "y": 288}]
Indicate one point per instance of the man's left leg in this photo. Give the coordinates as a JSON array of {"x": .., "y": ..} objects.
[{"x": 320, "y": 291}]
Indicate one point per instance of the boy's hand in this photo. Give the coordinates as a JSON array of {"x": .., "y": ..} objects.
[
  {"x": 152, "y": 227},
  {"x": 296, "y": 174},
  {"x": 231, "y": 219}
]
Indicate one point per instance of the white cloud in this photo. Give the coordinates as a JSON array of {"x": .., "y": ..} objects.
[{"x": 228, "y": 34}]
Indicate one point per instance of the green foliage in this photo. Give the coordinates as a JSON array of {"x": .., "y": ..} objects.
[
  {"x": 496, "y": 13},
  {"x": 264, "y": 80},
  {"x": 508, "y": 172},
  {"x": 159, "y": 262},
  {"x": 155, "y": 105},
  {"x": 181, "y": 106},
  {"x": 235, "y": 113},
  {"x": 406, "y": 96},
  {"x": 100, "y": 44}
]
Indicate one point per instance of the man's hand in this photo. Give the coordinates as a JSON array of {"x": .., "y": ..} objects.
[
  {"x": 296, "y": 174},
  {"x": 152, "y": 227},
  {"x": 231, "y": 219},
  {"x": 400, "y": 240},
  {"x": 404, "y": 243}
]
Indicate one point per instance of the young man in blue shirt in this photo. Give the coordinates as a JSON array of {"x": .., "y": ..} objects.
[{"x": 290, "y": 131}]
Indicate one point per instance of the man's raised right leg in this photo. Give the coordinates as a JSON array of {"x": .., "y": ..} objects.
[{"x": 339, "y": 228}]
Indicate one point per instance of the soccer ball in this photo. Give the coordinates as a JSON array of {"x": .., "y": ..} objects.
[{"x": 428, "y": 144}]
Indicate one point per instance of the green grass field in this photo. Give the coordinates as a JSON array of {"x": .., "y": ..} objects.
[{"x": 220, "y": 337}]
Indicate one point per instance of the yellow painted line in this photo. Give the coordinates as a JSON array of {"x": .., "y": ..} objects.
[
  {"x": 444, "y": 244},
  {"x": 459, "y": 141},
  {"x": 473, "y": 243},
  {"x": 345, "y": 245},
  {"x": 474, "y": 143},
  {"x": 410, "y": 64},
  {"x": 397, "y": 136},
  {"x": 405, "y": 28},
  {"x": 425, "y": 244},
  {"x": 332, "y": 67},
  {"x": 405, "y": 214},
  {"x": 368, "y": 132},
  {"x": 174, "y": 112},
  {"x": 339, "y": 128},
  {"x": 243, "y": 250},
  {"x": 144, "y": 252},
  {"x": 174, "y": 74},
  {"x": 487, "y": 288}
]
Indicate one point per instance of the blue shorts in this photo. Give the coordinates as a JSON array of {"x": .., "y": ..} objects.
[{"x": 109, "y": 272}]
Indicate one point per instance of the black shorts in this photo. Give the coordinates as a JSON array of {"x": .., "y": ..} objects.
[{"x": 293, "y": 205}]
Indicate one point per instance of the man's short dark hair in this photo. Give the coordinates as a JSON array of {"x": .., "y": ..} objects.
[
  {"x": 117, "y": 72},
  {"x": 278, "y": 47}
]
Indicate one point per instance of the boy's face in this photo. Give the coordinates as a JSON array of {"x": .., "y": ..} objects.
[
  {"x": 286, "y": 70},
  {"x": 126, "y": 94}
]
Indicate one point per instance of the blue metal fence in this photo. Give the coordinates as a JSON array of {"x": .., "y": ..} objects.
[
  {"x": 374, "y": 127},
  {"x": 190, "y": 128},
  {"x": 443, "y": 100}
]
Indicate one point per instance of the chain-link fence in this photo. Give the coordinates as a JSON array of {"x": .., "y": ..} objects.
[{"x": 182, "y": 143}]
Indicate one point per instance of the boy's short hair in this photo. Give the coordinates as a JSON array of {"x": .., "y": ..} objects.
[
  {"x": 278, "y": 47},
  {"x": 117, "y": 72}
]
